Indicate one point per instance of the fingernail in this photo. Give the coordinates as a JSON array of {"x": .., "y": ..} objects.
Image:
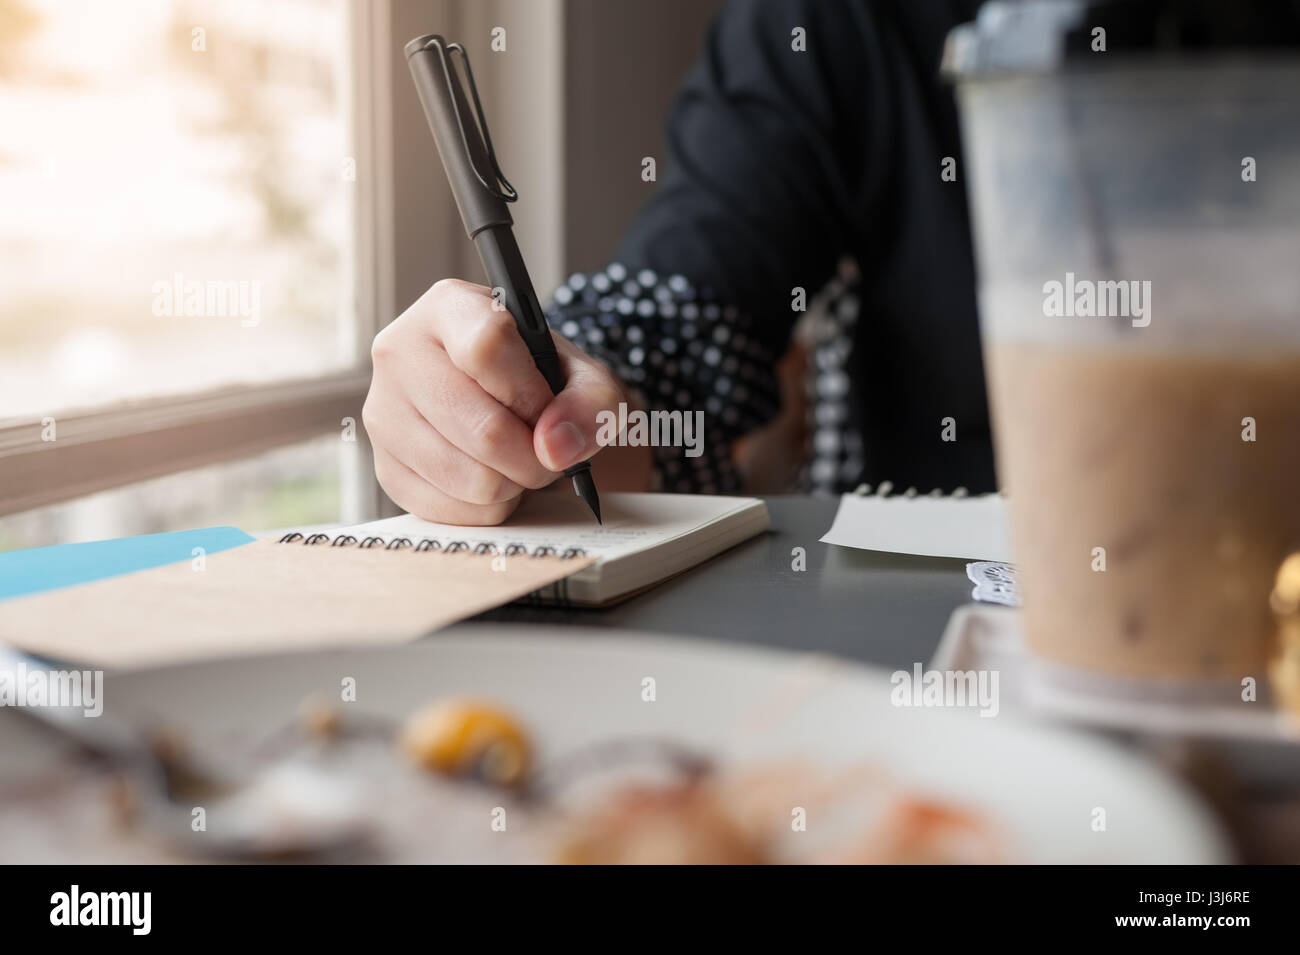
[{"x": 563, "y": 445}]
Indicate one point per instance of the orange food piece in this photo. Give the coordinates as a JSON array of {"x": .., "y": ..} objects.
[{"x": 462, "y": 737}]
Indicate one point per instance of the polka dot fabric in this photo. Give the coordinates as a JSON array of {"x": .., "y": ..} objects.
[
  {"x": 681, "y": 350},
  {"x": 836, "y": 456}
]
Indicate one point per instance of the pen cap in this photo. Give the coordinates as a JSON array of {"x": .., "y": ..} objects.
[{"x": 462, "y": 144}]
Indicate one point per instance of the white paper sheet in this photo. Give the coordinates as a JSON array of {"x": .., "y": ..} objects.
[{"x": 974, "y": 528}]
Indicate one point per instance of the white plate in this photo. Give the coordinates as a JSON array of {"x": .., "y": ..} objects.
[{"x": 1041, "y": 784}]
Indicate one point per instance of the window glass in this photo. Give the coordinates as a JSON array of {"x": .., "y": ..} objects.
[{"x": 178, "y": 197}]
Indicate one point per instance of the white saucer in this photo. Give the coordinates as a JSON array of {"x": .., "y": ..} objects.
[{"x": 984, "y": 637}]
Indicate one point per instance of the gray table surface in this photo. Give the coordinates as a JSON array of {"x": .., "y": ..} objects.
[{"x": 885, "y": 609}]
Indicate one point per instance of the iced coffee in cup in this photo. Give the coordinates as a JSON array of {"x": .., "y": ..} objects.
[{"x": 1137, "y": 227}]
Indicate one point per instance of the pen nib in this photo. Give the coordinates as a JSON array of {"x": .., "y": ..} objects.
[{"x": 585, "y": 488}]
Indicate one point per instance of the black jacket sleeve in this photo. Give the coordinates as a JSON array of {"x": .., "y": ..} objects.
[
  {"x": 767, "y": 175},
  {"x": 769, "y": 166}
]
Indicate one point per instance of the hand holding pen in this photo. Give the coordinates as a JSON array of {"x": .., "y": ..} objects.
[{"x": 471, "y": 404}]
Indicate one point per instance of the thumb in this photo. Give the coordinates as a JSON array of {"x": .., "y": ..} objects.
[{"x": 566, "y": 430}]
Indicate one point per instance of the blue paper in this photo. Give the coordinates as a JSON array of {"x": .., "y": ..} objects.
[{"x": 47, "y": 568}]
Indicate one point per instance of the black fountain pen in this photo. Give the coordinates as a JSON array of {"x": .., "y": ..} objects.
[{"x": 481, "y": 193}]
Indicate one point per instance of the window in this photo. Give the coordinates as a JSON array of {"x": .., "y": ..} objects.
[
  {"x": 187, "y": 241},
  {"x": 179, "y": 204}
]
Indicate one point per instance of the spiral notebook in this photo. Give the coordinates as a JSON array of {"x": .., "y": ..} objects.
[
  {"x": 645, "y": 539},
  {"x": 206, "y": 594}
]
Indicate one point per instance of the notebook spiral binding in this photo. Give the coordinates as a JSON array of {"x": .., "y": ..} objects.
[
  {"x": 887, "y": 487},
  {"x": 483, "y": 549}
]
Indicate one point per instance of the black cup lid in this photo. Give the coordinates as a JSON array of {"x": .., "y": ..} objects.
[{"x": 1035, "y": 36}]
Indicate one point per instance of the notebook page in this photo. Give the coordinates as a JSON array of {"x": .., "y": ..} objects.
[{"x": 633, "y": 522}]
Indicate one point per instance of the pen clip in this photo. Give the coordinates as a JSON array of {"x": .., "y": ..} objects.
[{"x": 500, "y": 186}]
